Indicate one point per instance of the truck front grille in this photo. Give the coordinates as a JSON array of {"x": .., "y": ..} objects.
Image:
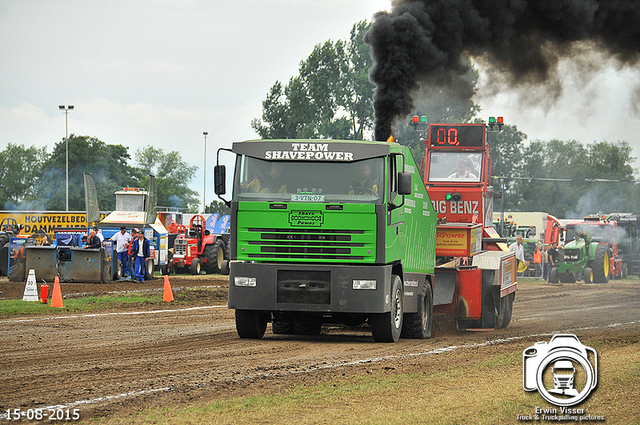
[{"x": 306, "y": 244}]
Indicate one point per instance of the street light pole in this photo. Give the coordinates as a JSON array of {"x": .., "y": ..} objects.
[
  {"x": 66, "y": 109},
  {"x": 204, "y": 193}
]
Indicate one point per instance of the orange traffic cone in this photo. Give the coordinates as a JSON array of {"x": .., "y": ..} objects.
[
  {"x": 168, "y": 293},
  {"x": 56, "y": 296}
]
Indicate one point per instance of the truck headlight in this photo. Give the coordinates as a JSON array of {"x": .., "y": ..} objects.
[
  {"x": 364, "y": 284},
  {"x": 244, "y": 281}
]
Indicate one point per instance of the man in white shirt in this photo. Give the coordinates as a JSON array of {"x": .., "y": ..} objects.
[
  {"x": 99, "y": 233},
  {"x": 518, "y": 248},
  {"x": 463, "y": 171},
  {"x": 122, "y": 239}
]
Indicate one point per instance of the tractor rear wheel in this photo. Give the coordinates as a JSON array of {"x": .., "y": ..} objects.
[
  {"x": 601, "y": 264},
  {"x": 386, "y": 327},
  {"x": 418, "y": 325}
]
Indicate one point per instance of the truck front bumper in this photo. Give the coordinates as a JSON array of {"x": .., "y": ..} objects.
[{"x": 311, "y": 288}]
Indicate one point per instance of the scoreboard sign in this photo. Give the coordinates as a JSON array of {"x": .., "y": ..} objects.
[{"x": 457, "y": 135}]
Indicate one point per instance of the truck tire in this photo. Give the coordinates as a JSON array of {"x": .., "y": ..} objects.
[
  {"x": 503, "y": 317},
  {"x": 282, "y": 324},
  {"x": 282, "y": 328},
  {"x": 601, "y": 264},
  {"x": 195, "y": 266},
  {"x": 418, "y": 325},
  {"x": 386, "y": 327},
  {"x": 307, "y": 328},
  {"x": 251, "y": 324},
  {"x": 553, "y": 275},
  {"x": 587, "y": 275}
]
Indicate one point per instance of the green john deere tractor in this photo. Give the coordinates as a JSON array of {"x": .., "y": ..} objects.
[{"x": 585, "y": 258}]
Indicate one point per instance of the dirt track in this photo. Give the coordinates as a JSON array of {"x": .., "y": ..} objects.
[{"x": 119, "y": 362}]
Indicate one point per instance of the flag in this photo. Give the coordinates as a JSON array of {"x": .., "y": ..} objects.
[
  {"x": 91, "y": 200},
  {"x": 152, "y": 201}
]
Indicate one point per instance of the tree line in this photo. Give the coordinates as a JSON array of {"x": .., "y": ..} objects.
[
  {"x": 32, "y": 179},
  {"x": 331, "y": 98}
]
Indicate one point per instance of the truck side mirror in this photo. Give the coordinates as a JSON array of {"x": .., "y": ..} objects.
[
  {"x": 220, "y": 179},
  {"x": 404, "y": 183}
]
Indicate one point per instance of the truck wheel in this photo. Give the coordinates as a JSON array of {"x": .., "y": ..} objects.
[
  {"x": 588, "y": 275},
  {"x": 195, "y": 266},
  {"x": 149, "y": 269},
  {"x": 503, "y": 317},
  {"x": 251, "y": 324},
  {"x": 307, "y": 328},
  {"x": 553, "y": 275},
  {"x": 386, "y": 327},
  {"x": 418, "y": 325},
  {"x": 282, "y": 323},
  {"x": 601, "y": 264}
]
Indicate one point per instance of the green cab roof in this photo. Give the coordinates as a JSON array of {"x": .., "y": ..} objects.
[{"x": 314, "y": 150}]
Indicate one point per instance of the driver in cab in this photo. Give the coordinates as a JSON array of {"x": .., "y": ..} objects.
[
  {"x": 363, "y": 184},
  {"x": 271, "y": 183},
  {"x": 463, "y": 171}
]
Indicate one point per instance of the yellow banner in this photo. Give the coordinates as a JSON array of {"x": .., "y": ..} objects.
[{"x": 47, "y": 221}]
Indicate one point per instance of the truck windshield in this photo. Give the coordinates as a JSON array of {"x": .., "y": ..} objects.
[
  {"x": 309, "y": 181},
  {"x": 447, "y": 166}
]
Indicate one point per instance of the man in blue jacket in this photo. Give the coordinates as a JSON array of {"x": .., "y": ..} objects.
[{"x": 140, "y": 250}]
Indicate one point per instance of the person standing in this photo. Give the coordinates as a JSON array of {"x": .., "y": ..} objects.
[
  {"x": 537, "y": 260},
  {"x": 546, "y": 262},
  {"x": 141, "y": 252},
  {"x": 518, "y": 248},
  {"x": 99, "y": 233},
  {"x": 132, "y": 258},
  {"x": 122, "y": 239},
  {"x": 553, "y": 256}
]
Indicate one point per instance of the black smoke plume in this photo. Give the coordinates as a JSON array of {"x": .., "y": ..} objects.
[{"x": 425, "y": 42}]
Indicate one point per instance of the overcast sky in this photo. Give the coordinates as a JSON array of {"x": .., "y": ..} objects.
[{"x": 161, "y": 72}]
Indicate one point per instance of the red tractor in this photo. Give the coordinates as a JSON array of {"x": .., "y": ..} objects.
[{"x": 196, "y": 249}]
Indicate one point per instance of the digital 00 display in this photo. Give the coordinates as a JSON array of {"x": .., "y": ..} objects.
[{"x": 457, "y": 135}]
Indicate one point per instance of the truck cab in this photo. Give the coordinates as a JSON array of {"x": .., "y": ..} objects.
[{"x": 328, "y": 231}]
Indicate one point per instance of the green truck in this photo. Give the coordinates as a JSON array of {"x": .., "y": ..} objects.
[{"x": 329, "y": 231}]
